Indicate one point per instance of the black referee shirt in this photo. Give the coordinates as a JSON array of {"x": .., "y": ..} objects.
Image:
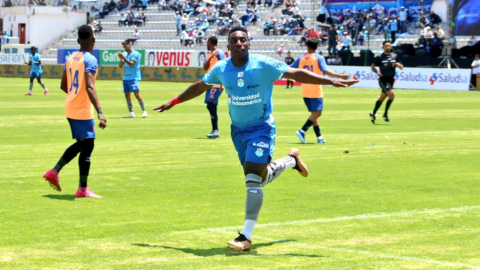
[
  {"x": 386, "y": 63},
  {"x": 289, "y": 60}
]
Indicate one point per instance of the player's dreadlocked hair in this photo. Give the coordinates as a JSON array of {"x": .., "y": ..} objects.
[
  {"x": 85, "y": 32},
  {"x": 238, "y": 28}
]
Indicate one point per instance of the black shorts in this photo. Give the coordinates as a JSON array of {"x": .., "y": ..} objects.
[{"x": 386, "y": 83}]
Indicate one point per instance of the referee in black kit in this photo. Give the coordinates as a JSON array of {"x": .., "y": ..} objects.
[{"x": 387, "y": 62}]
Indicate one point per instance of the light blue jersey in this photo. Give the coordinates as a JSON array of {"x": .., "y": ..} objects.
[
  {"x": 249, "y": 88},
  {"x": 35, "y": 68},
  {"x": 132, "y": 73}
]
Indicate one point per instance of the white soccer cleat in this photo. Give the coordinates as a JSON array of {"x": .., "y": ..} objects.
[
  {"x": 131, "y": 115},
  {"x": 144, "y": 114}
]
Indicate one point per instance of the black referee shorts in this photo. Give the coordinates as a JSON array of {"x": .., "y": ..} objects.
[{"x": 386, "y": 83}]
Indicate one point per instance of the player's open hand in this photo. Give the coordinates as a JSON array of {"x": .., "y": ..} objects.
[
  {"x": 103, "y": 123},
  {"x": 165, "y": 107}
]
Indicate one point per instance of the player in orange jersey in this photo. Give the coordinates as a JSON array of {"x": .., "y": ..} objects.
[
  {"x": 312, "y": 93},
  {"x": 78, "y": 82}
]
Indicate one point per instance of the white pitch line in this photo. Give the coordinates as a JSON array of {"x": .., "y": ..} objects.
[
  {"x": 373, "y": 254},
  {"x": 228, "y": 230},
  {"x": 363, "y": 216}
]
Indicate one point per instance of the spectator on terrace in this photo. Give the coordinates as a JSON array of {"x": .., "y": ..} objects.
[
  {"x": 330, "y": 59},
  {"x": 434, "y": 18},
  {"x": 122, "y": 4},
  {"x": 98, "y": 28},
  {"x": 204, "y": 26},
  {"x": 130, "y": 18},
  {"x": 361, "y": 36},
  {"x": 162, "y": 4},
  {"x": 135, "y": 36},
  {"x": 142, "y": 19},
  {"x": 199, "y": 37},
  {"x": 105, "y": 11},
  {"x": 472, "y": 41},
  {"x": 346, "y": 40},
  {"x": 184, "y": 22},
  {"x": 428, "y": 33},
  {"x": 337, "y": 60},
  {"x": 122, "y": 20},
  {"x": 212, "y": 18},
  {"x": 436, "y": 46},
  {"x": 277, "y": 4},
  {"x": 422, "y": 22},
  {"x": 112, "y": 6},
  {"x": 270, "y": 24},
  {"x": 184, "y": 38},
  {"x": 440, "y": 32},
  {"x": 178, "y": 22},
  {"x": 422, "y": 43}
]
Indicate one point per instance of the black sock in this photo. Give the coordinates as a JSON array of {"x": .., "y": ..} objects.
[
  {"x": 84, "y": 160},
  {"x": 317, "y": 131},
  {"x": 387, "y": 106},
  {"x": 212, "y": 108},
  {"x": 69, "y": 154},
  {"x": 377, "y": 106},
  {"x": 307, "y": 125}
]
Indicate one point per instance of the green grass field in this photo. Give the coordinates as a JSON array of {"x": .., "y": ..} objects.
[{"x": 405, "y": 196}]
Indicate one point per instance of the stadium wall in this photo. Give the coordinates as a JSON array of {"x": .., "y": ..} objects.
[
  {"x": 164, "y": 74},
  {"x": 408, "y": 78},
  {"x": 44, "y": 24}
]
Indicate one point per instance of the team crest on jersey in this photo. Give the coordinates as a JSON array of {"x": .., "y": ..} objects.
[
  {"x": 259, "y": 152},
  {"x": 240, "y": 82},
  {"x": 240, "y": 74}
]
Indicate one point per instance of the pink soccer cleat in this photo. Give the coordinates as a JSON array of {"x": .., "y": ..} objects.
[
  {"x": 85, "y": 192},
  {"x": 46, "y": 92},
  {"x": 52, "y": 177},
  {"x": 28, "y": 94}
]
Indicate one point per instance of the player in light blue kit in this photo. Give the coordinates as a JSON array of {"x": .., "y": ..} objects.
[
  {"x": 35, "y": 61},
  {"x": 248, "y": 81},
  {"x": 131, "y": 76}
]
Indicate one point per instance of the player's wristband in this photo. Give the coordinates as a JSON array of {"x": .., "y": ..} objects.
[
  {"x": 100, "y": 114},
  {"x": 175, "y": 101},
  {"x": 374, "y": 70}
]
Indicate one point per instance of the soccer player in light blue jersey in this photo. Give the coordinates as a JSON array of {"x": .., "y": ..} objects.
[
  {"x": 248, "y": 81},
  {"x": 131, "y": 76},
  {"x": 35, "y": 61}
]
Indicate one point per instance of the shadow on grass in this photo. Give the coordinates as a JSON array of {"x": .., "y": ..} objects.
[
  {"x": 63, "y": 197},
  {"x": 207, "y": 252}
]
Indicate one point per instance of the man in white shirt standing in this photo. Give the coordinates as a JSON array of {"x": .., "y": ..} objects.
[
  {"x": 475, "y": 70},
  {"x": 402, "y": 20}
]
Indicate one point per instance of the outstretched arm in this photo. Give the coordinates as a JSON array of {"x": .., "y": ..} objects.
[
  {"x": 193, "y": 91},
  {"x": 337, "y": 75},
  {"x": 305, "y": 76}
]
